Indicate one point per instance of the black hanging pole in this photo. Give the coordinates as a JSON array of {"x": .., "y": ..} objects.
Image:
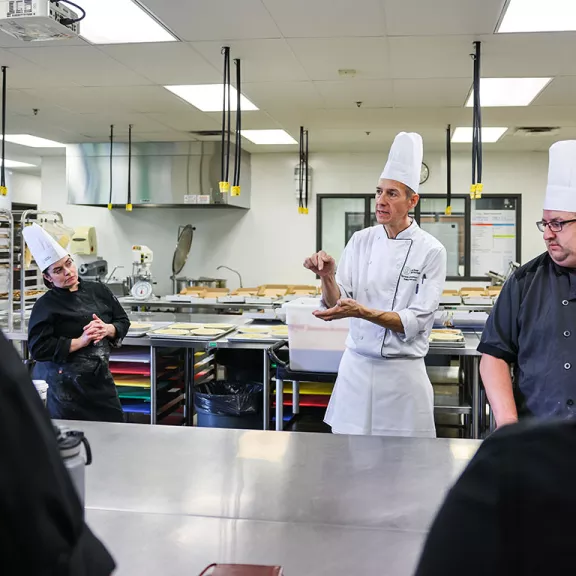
[
  {"x": 224, "y": 184},
  {"x": 111, "y": 158},
  {"x": 306, "y": 191},
  {"x": 301, "y": 172},
  {"x": 238, "y": 150},
  {"x": 129, "y": 203},
  {"x": 476, "y": 187},
  {"x": 448, "y": 170},
  {"x": 229, "y": 116},
  {"x": 3, "y": 189}
]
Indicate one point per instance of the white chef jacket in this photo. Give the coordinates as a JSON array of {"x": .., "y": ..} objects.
[{"x": 405, "y": 275}]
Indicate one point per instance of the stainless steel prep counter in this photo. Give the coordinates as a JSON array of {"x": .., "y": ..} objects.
[
  {"x": 469, "y": 360},
  {"x": 172, "y": 500}
]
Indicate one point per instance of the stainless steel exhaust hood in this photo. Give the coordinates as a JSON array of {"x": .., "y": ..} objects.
[{"x": 164, "y": 174}]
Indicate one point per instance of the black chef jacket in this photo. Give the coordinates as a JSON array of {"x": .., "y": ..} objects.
[
  {"x": 512, "y": 511},
  {"x": 42, "y": 528},
  {"x": 80, "y": 384},
  {"x": 533, "y": 327}
]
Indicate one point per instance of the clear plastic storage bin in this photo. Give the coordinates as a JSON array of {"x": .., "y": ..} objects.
[{"x": 315, "y": 345}]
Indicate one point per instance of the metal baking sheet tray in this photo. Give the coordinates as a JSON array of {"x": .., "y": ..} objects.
[
  {"x": 271, "y": 338},
  {"x": 191, "y": 338},
  {"x": 461, "y": 344}
]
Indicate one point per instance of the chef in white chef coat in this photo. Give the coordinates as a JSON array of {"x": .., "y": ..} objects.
[{"x": 389, "y": 282}]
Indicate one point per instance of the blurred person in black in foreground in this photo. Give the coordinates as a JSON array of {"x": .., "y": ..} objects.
[
  {"x": 42, "y": 528},
  {"x": 512, "y": 511}
]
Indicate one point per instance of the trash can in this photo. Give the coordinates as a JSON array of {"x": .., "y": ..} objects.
[{"x": 224, "y": 404}]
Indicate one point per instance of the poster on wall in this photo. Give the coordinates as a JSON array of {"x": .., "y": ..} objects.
[{"x": 493, "y": 237}]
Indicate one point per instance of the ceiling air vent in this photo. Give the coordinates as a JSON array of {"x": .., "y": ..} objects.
[
  {"x": 535, "y": 131},
  {"x": 212, "y": 135}
]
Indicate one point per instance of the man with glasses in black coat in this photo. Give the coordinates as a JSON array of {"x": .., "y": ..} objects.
[{"x": 532, "y": 327}]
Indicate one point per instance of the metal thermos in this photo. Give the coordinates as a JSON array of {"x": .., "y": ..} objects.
[{"x": 70, "y": 443}]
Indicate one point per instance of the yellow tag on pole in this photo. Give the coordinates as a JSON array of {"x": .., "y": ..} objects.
[
  {"x": 109, "y": 206},
  {"x": 448, "y": 210},
  {"x": 479, "y": 188},
  {"x": 235, "y": 191},
  {"x": 473, "y": 191},
  {"x": 3, "y": 191},
  {"x": 305, "y": 211},
  {"x": 128, "y": 207},
  {"x": 224, "y": 187},
  {"x": 300, "y": 209}
]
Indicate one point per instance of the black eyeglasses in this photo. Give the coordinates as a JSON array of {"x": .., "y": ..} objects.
[{"x": 554, "y": 226}]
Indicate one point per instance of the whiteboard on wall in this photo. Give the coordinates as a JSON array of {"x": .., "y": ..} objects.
[
  {"x": 493, "y": 241},
  {"x": 447, "y": 233}
]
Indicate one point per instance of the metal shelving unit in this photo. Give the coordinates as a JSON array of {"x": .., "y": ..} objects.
[{"x": 7, "y": 267}]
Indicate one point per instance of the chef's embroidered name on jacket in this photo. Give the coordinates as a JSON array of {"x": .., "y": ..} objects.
[{"x": 410, "y": 274}]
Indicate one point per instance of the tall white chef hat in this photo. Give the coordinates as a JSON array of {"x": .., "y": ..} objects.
[
  {"x": 44, "y": 248},
  {"x": 561, "y": 189},
  {"x": 405, "y": 160}
]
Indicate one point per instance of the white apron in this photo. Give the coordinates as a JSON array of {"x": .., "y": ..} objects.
[
  {"x": 382, "y": 386},
  {"x": 382, "y": 396}
]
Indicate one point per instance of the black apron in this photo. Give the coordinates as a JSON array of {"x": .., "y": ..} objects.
[
  {"x": 80, "y": 384},
  {"x": 84, "y": 389}
]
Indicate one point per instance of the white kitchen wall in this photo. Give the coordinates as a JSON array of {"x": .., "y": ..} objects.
[{"x": 269, "y": 242}]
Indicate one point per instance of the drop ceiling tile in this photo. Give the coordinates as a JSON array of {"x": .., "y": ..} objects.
[
  {"x": 327, "y": 18},
  {"x": 346, "y": 93},
  {"x": 528, "y": 55},
  {"x": 85, "y": 100},
  {"x": 431, "y": 57},
  {"x": 431, "y": 92},
  {"x": 192, "y": 119},
  {"x": 441, "y": 17},
  {"x": 274, "y": 95},
  {"x": 255, "y": 120},
  {"x": 83, "y": 65},
  {"x": 560, "y": 92},
  {"x": 215, "y": 19},
  {"x": 262, "y": 60},
  {"x": 165, "y": 63},
  {"x": 321, "y": 58}
]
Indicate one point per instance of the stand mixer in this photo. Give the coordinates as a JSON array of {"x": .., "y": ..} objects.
[{"x": 141, "y": 278}]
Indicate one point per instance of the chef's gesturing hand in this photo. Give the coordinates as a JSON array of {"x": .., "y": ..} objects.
[
  {"x": 345, "y": 308},
  {"x": 98, "y": 329},
  {"x": 321, "y": 264}
]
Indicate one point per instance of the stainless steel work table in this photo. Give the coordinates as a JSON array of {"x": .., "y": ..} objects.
[
  {"x": 172, "y": 500},
  {"x": 469, "y": 360}
]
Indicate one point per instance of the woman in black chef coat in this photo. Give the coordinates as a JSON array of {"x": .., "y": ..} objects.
[{"x": 71, "y": 330}]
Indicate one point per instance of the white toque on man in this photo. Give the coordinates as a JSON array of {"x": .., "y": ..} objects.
[
  {"x": 405, "y": 160},
  {"x": 561, "y": 189}
]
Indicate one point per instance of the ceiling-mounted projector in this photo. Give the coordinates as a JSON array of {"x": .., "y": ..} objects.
[{"x": 38, "y": 20}]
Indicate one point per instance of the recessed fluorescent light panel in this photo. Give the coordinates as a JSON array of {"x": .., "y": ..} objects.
[
  {"x": 508, "y": 91},
  {"x": 120, "y": 22},
  {"x": 16, "y": 164},
  {"x": 32, "y": 141},
  {"x": 268, "y": 137},
  {"x": 539, "y": 16},
  {"x": 209, "y": 97},
  {"x": 489, "y": 135}
]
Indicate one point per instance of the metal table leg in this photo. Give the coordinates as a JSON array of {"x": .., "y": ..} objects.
[
  {"x": 266, "y": 389},
  {"x": 188, "y": 369},
  {"x": 476, "y": 404},
  {"x": 153, "y": 407},
  {"x": 279, "y": 405},
  {"x": 295, "y": 397}
]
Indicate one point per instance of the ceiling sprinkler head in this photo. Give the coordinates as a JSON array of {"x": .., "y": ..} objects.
[
  {"x": 359, "y": 104},
  {"x": 368, "y": 133}
]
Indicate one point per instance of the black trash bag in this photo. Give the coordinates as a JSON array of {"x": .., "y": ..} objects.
[{"x": 228, "y": 398}]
